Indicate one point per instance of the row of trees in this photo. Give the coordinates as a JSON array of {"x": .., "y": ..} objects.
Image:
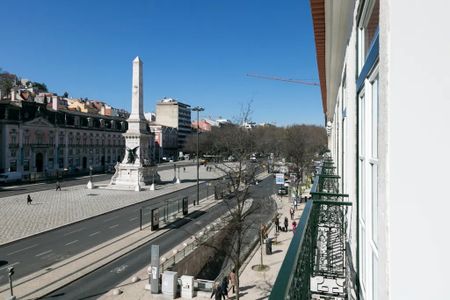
[{"x": 298, "y": 144}]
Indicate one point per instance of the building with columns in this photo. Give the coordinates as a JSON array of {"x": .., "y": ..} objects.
[{"x": 40, "y": 140}]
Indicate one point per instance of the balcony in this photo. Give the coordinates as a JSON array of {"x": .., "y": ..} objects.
[{"x": 317, "y": 262}]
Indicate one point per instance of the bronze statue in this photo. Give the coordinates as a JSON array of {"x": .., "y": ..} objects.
[{"x": 132, "y": 155}]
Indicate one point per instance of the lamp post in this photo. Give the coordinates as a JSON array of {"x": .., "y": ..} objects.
[{"x": 198, "y": 109}]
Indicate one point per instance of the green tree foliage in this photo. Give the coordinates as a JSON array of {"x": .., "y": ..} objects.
[
  {"x": 41, "y": 87},
  {"x": 7, "y": 82}
]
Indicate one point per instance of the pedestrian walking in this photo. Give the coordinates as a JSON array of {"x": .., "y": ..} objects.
[
  {"x": 292, "y": 213},
  {"x": 294, "y": 225},
  {"x": 277, "y": 224},
  {"x": 216, "y": 291},
  {"x": 224, "y": 287},
  {"x": 286, "y": 223},
  {"x": 232, "y": 278},
  {"x": 58, "y": 186},
  {"x": 184, "y": 169},
  {"x": 29, "y": 200}
]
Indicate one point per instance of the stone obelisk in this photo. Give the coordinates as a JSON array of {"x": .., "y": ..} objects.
[{"x": 136, "y": 170}]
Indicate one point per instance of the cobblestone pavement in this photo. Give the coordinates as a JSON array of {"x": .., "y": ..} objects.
[{"x": 51, "y": 209}]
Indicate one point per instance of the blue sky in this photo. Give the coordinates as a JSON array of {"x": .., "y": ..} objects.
[{"x": 197, "y": 51}]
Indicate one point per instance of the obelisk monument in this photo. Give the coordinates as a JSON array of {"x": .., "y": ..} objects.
[{"x": 136, "y": 170}]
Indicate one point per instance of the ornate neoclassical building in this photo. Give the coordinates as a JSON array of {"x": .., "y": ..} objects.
[{"x": 40, "y": 140}]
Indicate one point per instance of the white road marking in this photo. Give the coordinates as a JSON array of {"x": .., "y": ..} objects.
[
  {"x": 70, "y": 243},
  {"x": 132, "y": 219},
  {"x": 10, "y": 265},
  {"x": 119, "y": 269},
  {"x": 95, "y": 233},
  {"x": 107, "y": 220},
  {"x": 111, "y": 227},
  {"x": 23, "y": 249},
  {"x": 75, "y": 231},
  {"x": 40, "y": 254}
]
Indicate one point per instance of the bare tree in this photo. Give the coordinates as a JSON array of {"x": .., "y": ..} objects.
[{"x": 238, "y": 233}]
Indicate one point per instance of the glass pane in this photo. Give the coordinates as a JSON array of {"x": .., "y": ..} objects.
[
  {"x": 372, "y": 26},
  {"x": 374, "y": 277},
  {"x": 362, "y": 126},
  {"x": 375, "y": 118},
  {"x": 374, "y": 196},
  {"x": 362, "y": 193}
]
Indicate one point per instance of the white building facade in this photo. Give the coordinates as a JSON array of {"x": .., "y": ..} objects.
[
  {"x": 383, "y": 72},
  {"x": 172, "y": 113}
]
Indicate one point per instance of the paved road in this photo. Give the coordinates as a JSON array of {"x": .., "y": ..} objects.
[
  {"x": 41, "y": 251},
  {"x": 104, "y": 279},
  {"x": 11, "y": 190}
]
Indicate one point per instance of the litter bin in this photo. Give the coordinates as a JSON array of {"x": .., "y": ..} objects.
[{"x": 269, "y": 246}]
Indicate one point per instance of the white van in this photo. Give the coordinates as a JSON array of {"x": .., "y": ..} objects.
[{"x": 10, "y": 177}]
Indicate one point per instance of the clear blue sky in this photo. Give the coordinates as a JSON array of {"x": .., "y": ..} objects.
[{"x": 197, "y": 51}]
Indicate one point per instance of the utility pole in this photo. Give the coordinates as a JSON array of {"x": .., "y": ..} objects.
[{"x": 198, "y": 109}]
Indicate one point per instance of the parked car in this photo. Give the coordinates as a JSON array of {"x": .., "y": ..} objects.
[
  {"x": 282, "y": 190},
  {"x": 10, "y": 177}
]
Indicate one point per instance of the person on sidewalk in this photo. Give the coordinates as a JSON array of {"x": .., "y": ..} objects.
[
  {"x": 292, "y": 213},
  {"x": 286, "y": 224},
  {"x": 58, "y": 186},
  {"x": 224, "y": 287},
  {"x": 29, "y": 200},
  {"x": 277, "y": 223},
  {"x": 216, "y": 291},
  {"x": 232, "y": 278},
  {"x": 294, "y": 226}
]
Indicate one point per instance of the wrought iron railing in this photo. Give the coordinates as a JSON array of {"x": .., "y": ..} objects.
[{"x": 315, "y": 265}]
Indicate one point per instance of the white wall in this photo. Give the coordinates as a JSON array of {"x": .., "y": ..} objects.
[{"x": 418, "y": 57}]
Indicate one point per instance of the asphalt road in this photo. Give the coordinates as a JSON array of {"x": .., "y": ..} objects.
[
  {"x": 25, "y": 188},
  {"x": 43, "y": 250},
  {"x": 102, "y": 280}
]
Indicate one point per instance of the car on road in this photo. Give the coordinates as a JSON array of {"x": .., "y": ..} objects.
[
  {"x": 282, "y": 190},
  {"x": 10, "y": 177}
]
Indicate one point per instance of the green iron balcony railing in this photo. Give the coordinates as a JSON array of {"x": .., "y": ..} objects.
[{"x": 315, "y": 266}]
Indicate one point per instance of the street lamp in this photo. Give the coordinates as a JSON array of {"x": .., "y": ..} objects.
[{"x": 198, "y": 109}]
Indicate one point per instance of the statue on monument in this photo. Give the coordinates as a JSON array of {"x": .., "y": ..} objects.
[
  {"x": 138, "y": 139},
  {"x": 132, "y": 155}
]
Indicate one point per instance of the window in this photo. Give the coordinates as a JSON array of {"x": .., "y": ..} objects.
[
  {"x": 50, "y": 163},
  {"x": 26, "y": 165},
  {"x": 368, "y": 119},
  {"x": 367, "y": 29},
  {"x": 13, "y": 165}
]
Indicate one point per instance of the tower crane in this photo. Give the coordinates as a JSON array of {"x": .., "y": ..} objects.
[{"x": 284, "y": 79}]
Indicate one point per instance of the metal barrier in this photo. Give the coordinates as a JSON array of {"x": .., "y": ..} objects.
[{"x": 315, "y": 266}]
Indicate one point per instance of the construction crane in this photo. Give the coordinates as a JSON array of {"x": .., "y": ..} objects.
[{"x": 284, "y": 79}]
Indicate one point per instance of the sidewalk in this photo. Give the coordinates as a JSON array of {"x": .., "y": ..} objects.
[
  {"x": 52, "y": 209},
  {"x": 253, "y": 284}
]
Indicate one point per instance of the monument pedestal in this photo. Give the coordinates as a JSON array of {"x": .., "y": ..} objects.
[{"x": 130, "y": 176}]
